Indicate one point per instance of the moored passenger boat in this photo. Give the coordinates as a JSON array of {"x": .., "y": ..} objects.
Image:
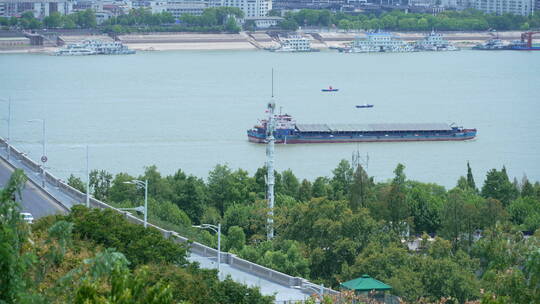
[
  {"x": 491, "y": 45},
  {"x": 434, "y": 42},
  {"x": 378, "y": 42},
  {"x": 294, "y": 43},
  {"x": 288, "y": 131},
  {"x": 76, "y": 49},
  {"x": 94, "y": 47}
]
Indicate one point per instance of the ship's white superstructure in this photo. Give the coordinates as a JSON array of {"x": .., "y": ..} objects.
[
  {"x": 94, "y": 47},
  {"x": 76, "y": 49},
  {"x": 294, "y": 43},
  {"x": 434, "y": 42},
  {"x": 379, "y": 42}
]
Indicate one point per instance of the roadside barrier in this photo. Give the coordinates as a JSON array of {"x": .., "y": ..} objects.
[{"x": 195, "y": 247}]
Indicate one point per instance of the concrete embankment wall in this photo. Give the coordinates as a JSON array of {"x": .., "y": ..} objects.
[
  {"x": 198, "y": 248},
  {"x": 187, "y": 41}
]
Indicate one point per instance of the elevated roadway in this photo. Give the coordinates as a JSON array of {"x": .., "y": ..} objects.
[
  {"x": 32, "y": 199},
  {"x": 53, "y": 199}
]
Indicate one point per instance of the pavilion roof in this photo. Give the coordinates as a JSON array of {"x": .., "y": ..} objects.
[{"x": 365, "y": 283}]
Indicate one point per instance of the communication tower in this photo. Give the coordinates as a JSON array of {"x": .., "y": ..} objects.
[
  {"x": 359, "y": 160},
  {"x": 270, "y": 126}
]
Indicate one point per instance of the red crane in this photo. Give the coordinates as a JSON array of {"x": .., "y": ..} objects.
[{"x": 528, "y": 37}]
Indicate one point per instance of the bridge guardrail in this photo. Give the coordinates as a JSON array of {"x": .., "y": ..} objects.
[{"x": 201, "y": 249}]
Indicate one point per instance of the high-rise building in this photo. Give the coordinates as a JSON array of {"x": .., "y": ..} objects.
[
  {"x": 251, "y": 8},
  {"x": 40, "y": 8},
  {"x": 499, "y": 7}
]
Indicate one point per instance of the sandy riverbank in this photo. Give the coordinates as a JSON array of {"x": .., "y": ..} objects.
[
  {"x": 252, "y": 41},
  {"x": 200, "y": 46}
]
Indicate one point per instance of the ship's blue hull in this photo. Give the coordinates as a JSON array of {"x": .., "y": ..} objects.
[
  {"x": 525, "y": 48},
  {"x": 332, "y": 138}
]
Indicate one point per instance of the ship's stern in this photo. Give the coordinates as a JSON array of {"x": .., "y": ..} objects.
[{"x": 256, "y": 137}]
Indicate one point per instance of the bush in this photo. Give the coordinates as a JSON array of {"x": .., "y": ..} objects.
[{"x": 139, "y": 245}]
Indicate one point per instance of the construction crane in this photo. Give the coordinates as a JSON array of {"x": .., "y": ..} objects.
[{"x": 527, "y": 38}]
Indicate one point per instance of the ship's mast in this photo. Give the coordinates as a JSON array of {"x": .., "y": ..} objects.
[{"x": 270, "y": 126}]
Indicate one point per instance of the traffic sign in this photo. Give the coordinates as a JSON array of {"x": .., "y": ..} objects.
[{"x": 44, "y": 159}]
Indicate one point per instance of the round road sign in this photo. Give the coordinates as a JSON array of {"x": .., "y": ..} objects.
[{"x": 44, "y": 159}]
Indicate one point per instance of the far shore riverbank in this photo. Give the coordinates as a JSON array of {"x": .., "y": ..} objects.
[{"x": 253, "y": 41}]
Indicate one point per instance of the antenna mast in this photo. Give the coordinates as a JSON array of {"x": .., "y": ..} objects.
[
  {"x": 270, "y": 126},
  {"x": 359, "y": 160},
  {"x": 272, "y": 82}
]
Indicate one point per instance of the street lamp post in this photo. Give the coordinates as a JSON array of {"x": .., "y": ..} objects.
[
  {"x": 87, "y": 177},
  {"x": 216, "y": 229},
  {"x": 87, "y": 180},
  {"x": 8, "y": 127},
  {"x": 43, "y": 156},
  {"x": 145, "y": 185}
]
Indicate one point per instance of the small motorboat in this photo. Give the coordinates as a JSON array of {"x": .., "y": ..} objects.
[
  {"x": 365, "y": 106},
  {"x": 330, "y": 89}
]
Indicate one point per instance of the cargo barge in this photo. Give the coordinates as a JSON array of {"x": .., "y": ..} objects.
[{"x": 287, "y": 131}]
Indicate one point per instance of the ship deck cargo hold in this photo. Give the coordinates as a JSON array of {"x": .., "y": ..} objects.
[{"x": 288, "y": 131}]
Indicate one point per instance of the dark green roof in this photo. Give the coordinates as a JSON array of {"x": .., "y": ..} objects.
[{"x": 365, "y": 283}]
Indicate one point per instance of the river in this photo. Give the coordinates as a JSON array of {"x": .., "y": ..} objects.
[{"x": 191, "y": 110}]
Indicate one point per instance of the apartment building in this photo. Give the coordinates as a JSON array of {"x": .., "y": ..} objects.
[{"x": 499, "y": 7}]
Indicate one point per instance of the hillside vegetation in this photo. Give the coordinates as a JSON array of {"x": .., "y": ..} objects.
[
  {"x": 94, "y": 256},
  {"x": 337, "y": 228}
]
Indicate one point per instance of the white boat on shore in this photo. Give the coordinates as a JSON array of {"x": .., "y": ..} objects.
[
  {"x": 434, "y": 42},
  {"x": 378, "y": 42},
  {"x": 76, "y": 49},
  {"x": 294, "y": 43},
  {"x": 94, "y": 47}
]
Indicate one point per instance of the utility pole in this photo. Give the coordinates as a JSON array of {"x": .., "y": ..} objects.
[
  {"x": 87, "y": 180},
  {"x": 44, "y": 151},
  {"x": 216, "y": 229},
  {"x": 8, "y": 139},
  {"x": 144, "y": 208}
]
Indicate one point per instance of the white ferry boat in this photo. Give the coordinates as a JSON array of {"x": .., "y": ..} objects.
[
  {"x": 294, "y": 43},
  {"x": 94, "y": 47},
  {"x": 434, "y": 42},
  {"x": 75, "y": 49},
  {"x": 379, "y": 42}
]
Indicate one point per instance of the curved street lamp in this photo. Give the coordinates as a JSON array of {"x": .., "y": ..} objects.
[
  {"x": 87, "y": 177},
  {"x": 44, "y": 153},
  {"x": 144, "y": 184},
  {"x": 216, "y": 229}
]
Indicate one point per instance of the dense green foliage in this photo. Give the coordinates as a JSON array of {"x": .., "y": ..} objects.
[
  {"x": 95, "y": 256},
  {"x": 215, "y": 19},
  {"x": 466, "y": 20},
  {"x": 337, "y": 228},
  {"x": 82, "y": 19},
  {"x": 223, "y": 19}
]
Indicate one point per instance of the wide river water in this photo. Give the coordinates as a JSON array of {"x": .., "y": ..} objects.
[{"x": 191, "y": 110}]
